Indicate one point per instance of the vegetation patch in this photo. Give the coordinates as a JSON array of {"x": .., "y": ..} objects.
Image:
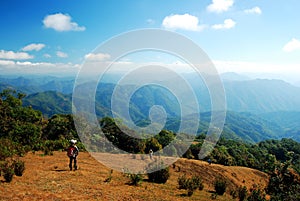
[{"x": 190, "y": 184}]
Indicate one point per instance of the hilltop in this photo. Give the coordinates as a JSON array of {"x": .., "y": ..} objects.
[{"x": 48, "y": 178}]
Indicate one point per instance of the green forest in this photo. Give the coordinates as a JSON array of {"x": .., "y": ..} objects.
[{"x": 23, "y": 129}]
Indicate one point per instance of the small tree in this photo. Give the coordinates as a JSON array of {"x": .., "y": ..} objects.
[
  {"x": 220, "y": 186},
  {"x": 8, "y": 172},
  {"x": 157, "y": 173},
  {"x": 19, "y": 167}
]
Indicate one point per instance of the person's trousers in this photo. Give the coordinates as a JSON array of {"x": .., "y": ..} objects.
[{"x": 71, "y": 162}]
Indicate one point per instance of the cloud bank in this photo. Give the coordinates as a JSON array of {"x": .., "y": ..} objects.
[{"x": 14, "y": 55}]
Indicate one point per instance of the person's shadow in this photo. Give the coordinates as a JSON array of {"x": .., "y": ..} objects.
[
  {"x": 56, "y": 169},
  {"x": 60, "y": 170}
]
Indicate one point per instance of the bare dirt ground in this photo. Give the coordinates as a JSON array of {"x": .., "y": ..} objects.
[{"x": 49, "y": 178}]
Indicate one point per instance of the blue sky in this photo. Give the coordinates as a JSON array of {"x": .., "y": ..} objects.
[{"x": 244, "y": 36}]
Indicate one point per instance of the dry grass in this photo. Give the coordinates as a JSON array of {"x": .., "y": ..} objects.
[{"x": 48, "y": 178}]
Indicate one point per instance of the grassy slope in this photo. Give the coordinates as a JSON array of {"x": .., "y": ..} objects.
[{"x": 48, "y": 178}]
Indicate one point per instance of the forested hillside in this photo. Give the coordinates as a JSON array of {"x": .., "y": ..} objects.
[
  {"x": 24, "y": 129},
  {"x": 239, "y": 125}
]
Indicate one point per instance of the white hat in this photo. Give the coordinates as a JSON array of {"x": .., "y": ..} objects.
[{"x": 73, "y": 141}]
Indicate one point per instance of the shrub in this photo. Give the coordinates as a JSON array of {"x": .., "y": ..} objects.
[
  {"x": 108, "y": 179},
  {"x": 2, "y": 163},
  {"x": 242, "y": 193},
  {"x": 48, "y": 147},
  {"x": 220, "y": 186},
  {"x": 201, "y": 186},
  {"x": 256, "y": 195},
  {"x": 19, "y": 167},
  {"x": 158, "y": 174},
  {"x": 213, "y": 196},
  {"x": 234, "y": 194},
  {"x": 8, "y": 172},
  {"x": 190, "y": 184},
  {"x": 48, "y": 151},
  {"x": 182, "y": 182},
  {"x": 135, "y": 179}
]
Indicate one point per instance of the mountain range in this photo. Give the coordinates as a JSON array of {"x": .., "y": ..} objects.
[{"x": 257, "y": 109}]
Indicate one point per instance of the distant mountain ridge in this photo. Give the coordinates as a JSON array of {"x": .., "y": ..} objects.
[
  {"x": 35, "y": 84},
  {"x": 258, "y": 109},
  {"x": 242, "y": 94},
  {"x": 260, "y": 96},
  {"x": 231, "y": 76}
]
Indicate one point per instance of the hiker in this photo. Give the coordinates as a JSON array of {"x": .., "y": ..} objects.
[
  {"x": 72, "y": 153},
  {"x": 151, "y": 154},
  {"x": 209, "y": 161}
]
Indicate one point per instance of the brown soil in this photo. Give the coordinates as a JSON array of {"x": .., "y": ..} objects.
[{"x": 48, "y": 178}]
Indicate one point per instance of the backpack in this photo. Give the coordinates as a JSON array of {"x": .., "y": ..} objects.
[{"x": 72, "y": 152}]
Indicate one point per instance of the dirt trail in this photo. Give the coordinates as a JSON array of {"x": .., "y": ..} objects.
[{"x": 48, "y": 178}]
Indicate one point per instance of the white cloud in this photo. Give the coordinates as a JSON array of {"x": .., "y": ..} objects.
[
  {"x": 34, "y": 46},
  {"x": 14, "y": 55},
  {"x": 6, "y": 62},
  {"x": 97, "y": 57},
  {"x": 255, "y": 10},
  {"x": 185, "y": 22},
  {"x": 291, "y": 46},
  {"x": 219, "y": 6},
  {"x": 228, "y": 24},
  {"x": 61, "y": 54},
  {"x": 61, "y": 22},
  {"x": 47, "y": 55}
]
